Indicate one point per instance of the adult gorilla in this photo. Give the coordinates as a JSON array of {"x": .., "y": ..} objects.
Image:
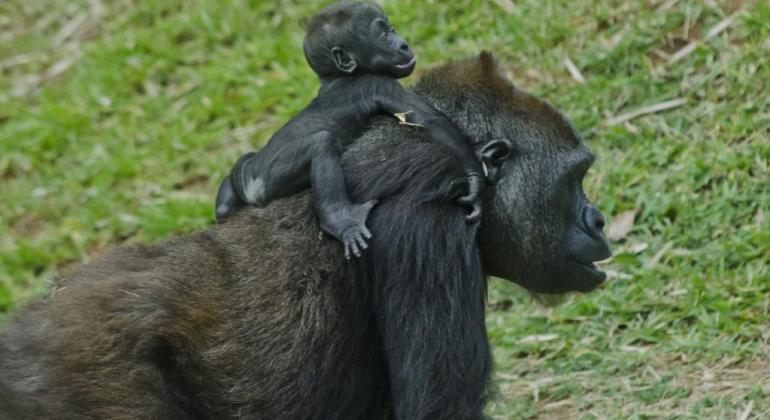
[{"x": 258, "y": 318}]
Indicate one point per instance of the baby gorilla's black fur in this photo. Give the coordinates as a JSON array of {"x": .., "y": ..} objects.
[{"x": 358, "y": 56}]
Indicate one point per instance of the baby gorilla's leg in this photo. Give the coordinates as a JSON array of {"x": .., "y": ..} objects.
[{"x": 228, "y": 202}]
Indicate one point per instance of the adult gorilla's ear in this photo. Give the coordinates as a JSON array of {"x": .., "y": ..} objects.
[
  {"x": 492, "y": 156},
  {"x": 343, "y": 60}
]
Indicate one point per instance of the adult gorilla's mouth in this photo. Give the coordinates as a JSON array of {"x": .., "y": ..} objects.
[
  {"x": 407, "y": 64},
  {"x": 591, "y": 270}
]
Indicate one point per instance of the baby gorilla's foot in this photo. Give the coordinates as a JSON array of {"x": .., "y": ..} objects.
[{"x": 348, "y": 225}]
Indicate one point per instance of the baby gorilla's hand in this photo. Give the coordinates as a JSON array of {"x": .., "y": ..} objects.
[
  {"x": 473, "y": 197},
  {"x": 348, "y": 225}
]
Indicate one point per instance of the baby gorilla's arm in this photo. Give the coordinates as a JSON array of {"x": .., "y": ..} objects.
[
  {"x": 442, "y": 131},
  {"x": 228, "y": 201},
  {"x": 338, "y": 217},
  {"x": 254, "y": 181}
]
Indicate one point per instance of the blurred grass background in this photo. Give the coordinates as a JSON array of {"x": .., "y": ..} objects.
[{"x": 119, "y": 118}]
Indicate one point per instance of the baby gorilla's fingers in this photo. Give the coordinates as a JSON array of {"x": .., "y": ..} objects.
[
  {"x": 349, "y": 227},
  {"x": 354, "y": 247},
  {"x": 475, "y": 215},
  {"x": 467, "y": 200},
  {"x": 474, "y": 189},
  {"x": 473, "y": 197},
  {"x": 361, "y": 241},
  {"x": 365, "y": 232}
]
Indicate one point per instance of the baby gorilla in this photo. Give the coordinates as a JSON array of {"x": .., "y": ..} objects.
[{"x": 358, "y": 57}]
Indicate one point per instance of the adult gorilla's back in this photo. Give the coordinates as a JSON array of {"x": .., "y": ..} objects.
[{"x": 262, "y": 318}]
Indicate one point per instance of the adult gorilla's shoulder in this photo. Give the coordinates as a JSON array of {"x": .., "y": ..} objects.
[{"x": 413, "y": 178}]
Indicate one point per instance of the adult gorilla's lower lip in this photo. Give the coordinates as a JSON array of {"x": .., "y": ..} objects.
[
  {"x": 592, "y": 270},
  {"x": 407, "y": 64}
]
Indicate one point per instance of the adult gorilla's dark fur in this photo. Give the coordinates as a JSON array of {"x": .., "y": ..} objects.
[{"x": 261, "y": 319}]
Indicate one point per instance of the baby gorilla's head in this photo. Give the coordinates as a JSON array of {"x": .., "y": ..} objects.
[{"x": 356, "y": 38}]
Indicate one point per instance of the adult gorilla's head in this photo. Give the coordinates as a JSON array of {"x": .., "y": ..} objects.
[{"x": 539, "y": 229}]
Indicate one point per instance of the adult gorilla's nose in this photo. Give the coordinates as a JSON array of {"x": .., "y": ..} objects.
[
  {"x": 593, "y": 221},
  {"x": 593, "y": 245}
]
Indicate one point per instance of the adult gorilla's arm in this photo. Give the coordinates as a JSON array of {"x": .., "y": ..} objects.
[{"x": 425, "y": 271}]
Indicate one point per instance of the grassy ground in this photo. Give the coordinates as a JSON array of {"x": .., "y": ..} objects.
[{"x": 118, "y": 119}]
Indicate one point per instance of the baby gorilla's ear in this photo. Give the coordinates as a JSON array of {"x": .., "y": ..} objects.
[{"x": 343, "y": 60}]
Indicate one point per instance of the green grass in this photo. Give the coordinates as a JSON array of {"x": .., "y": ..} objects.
[{"x": 117, "y": 122}]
